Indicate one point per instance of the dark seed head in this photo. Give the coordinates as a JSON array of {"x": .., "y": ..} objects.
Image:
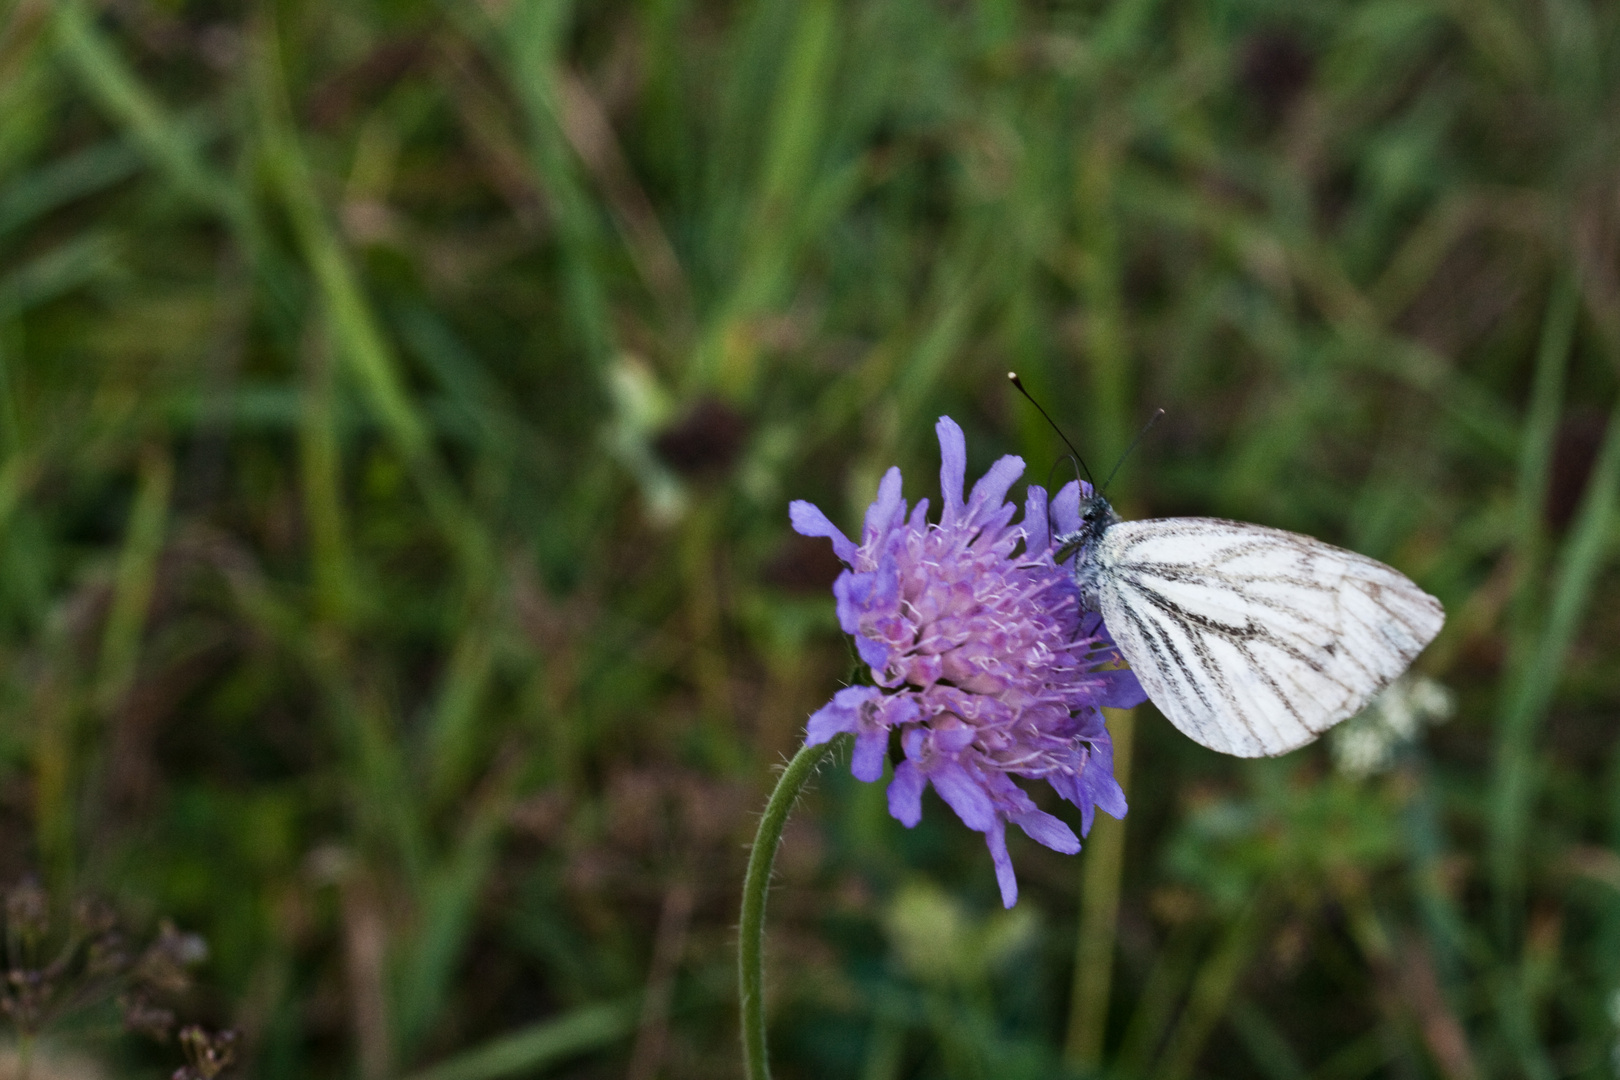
[
  {"x": 28, "y": 911},
  {"x": 704, "y": 442},
  {"x": 1274, "y": 66}
]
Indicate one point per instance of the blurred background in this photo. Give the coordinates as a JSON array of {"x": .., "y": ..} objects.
[{"x": 399, "y": 407}]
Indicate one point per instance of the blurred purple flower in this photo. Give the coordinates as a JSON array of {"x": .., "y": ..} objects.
[{"x": 980, "y": 654}]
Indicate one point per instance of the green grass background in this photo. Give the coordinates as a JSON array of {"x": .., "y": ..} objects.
[{"x": 399, "y": 407}]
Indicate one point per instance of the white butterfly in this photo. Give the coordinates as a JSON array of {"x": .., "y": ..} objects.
[{"x": 1253, "y": 641}]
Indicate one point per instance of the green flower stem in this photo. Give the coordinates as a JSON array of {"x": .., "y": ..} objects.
[
  {"x": 751, "y": 946},
  {"x": 1099, "y": 915}
]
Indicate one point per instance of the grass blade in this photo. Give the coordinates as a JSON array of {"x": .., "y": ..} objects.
[
  {"x": 536, "y": 1049},
  {"x": 1536, "y": 661}
]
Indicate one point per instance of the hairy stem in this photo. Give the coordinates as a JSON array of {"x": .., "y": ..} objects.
[{"x": 751, "y": 932}]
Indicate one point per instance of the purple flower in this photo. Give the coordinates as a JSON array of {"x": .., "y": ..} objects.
[{"x": 980, "y": 655}]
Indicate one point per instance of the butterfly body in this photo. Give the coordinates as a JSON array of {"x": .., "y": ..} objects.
[{"x": 1251, "y": 640}]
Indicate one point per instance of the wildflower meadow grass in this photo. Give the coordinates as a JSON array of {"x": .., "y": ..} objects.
[{"x": 406, "y": 411}]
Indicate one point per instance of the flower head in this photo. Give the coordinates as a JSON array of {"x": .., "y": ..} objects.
[{"x": 980, "y": 655}]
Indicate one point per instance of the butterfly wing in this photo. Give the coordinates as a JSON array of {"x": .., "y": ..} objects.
[{"x": 1254, "y": 641}]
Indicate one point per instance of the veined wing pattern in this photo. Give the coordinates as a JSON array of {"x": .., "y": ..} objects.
[{"x": 1252, "y": 640}]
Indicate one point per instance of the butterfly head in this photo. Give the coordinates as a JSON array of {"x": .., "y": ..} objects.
[{"x": 1096, "y": 516}]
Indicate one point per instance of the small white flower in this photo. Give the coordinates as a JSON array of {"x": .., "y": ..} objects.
[{"x": 1367, "y": 743}]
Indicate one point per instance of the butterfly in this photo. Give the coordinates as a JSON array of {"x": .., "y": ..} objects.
[{"x": 1253, "y": 641}]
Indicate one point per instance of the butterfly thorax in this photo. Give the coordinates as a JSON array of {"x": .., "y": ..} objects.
[{"x": 1096, "y": 517}]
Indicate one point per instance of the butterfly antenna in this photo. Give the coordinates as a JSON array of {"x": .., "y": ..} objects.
[
  {"x": 1070, "y": 458},
  {"x": 1154, "y": 419},
  {"x": 1012, "y": 377}
]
